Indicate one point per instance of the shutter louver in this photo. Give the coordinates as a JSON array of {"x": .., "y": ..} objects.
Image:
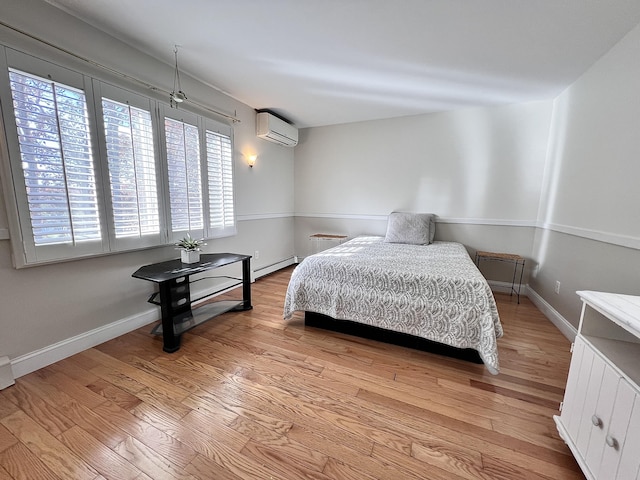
[
  {"x": 57, "y": 160},
  {"x": 132, "y": 171},
  {"x": 185, "y": 183},
  {"x": 220, "y": 175}
]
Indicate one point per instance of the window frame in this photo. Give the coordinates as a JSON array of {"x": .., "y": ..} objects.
[
  {"x": 204, "y": 124},
  {"x": 111, "y": 92},
  {"x": 32, "y": 254},
  {"x": 226, "y": 131},
  {"x": 189, "y": 118}
]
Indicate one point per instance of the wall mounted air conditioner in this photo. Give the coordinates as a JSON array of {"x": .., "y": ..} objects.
[{"x": 271, "y": 128}]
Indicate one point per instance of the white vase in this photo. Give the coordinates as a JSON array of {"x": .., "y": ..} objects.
[{"x": 189, "y": 256}]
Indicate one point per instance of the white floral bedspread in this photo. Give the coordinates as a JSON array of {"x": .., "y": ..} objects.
[{"x": 432, "y": 291}]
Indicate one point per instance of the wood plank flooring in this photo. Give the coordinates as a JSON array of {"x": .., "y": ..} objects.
[{"x": 251, "y": 396}]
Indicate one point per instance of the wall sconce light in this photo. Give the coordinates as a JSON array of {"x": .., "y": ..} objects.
[{"x": 251, "y": 160}]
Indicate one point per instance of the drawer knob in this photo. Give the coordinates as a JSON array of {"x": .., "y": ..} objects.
[
  {"x": 596, "y": 421},
  {"x": 612, "y": 442}
]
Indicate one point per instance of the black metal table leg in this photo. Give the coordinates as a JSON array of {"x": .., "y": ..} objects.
[
  {"x": 171, "y": 341},
  {"x": 246, "y": 284}
]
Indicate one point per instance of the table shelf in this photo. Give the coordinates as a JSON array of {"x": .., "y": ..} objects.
[{"x": 197, "y": 316}]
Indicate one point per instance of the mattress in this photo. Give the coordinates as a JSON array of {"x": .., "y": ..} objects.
[{"x": 431, "y": 291}]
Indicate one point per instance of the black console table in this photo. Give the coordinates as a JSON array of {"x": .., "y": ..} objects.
[{"x": 172, "y": 278}]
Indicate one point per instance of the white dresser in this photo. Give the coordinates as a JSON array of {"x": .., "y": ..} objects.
[{"x": 600, "y": 414}]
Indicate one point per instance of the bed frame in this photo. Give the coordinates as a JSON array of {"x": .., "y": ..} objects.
[{"x": 318, "y": 320}]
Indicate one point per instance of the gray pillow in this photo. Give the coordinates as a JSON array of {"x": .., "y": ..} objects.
[{"x": 411, "y": 228}]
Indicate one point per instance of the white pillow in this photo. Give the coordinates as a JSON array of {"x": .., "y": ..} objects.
[{"x": 411, "y": 228}]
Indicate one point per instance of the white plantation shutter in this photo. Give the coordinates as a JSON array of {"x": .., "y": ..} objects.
[
  {"x": 57, "y": 161},
  {"x": 96, "y": 168},
  {"x": 220, "y": 184},
  {"x": 132, "y": 170},
  {"x": 185, "y": 179}
]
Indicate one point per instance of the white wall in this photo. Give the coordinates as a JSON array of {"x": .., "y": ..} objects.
[
  {"x": 553, "y": 181},
  {"x": 480, "y": 170},
  {"x": 591, "y": 203},
  {"x": 57, "y": 304}
]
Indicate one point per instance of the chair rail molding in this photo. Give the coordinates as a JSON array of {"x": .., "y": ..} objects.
[{"x": 628, "y": 241}]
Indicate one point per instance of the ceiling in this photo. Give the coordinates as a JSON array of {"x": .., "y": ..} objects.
[{"x": 337, "y": 61}]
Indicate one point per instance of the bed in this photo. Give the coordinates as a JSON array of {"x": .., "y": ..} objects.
[{"x": 432, "y": 291}]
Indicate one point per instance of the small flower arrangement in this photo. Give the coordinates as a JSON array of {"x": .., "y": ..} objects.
[
  {"x": 190, "y": 244},
  {"x": 189, "y": 249}
]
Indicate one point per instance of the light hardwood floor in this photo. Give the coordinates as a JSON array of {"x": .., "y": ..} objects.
[{"x": 252, "y": 396}]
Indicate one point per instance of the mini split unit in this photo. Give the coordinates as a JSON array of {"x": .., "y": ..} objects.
[{"x": 275, "y": 130}]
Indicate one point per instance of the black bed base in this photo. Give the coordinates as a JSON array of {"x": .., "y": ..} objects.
[{"x": 318, "y": 320}]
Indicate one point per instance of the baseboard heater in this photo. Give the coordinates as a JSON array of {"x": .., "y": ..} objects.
[{"x": 274, "y": 267}]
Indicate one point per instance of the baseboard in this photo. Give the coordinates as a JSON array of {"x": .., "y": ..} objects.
[
  {"x": 552, "y": 314},
  {"x": 38, "y": 359},
  {"x": 561, "y": 323}
]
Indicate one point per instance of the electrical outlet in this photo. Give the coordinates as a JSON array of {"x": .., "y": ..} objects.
[
  {"x": 557, "y": 287},
  {"x": 256, "y": 254}
]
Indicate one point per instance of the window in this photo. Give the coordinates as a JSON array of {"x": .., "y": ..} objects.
[
  {"x": 57, "y": 161},
  {"x": 220, "y": 175},
  {"x": 199, "y": 157},
  {"x": 185, "y": 179},
  {"x": 99, "y": 169},
  {"x": 132, "y": 170}
]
